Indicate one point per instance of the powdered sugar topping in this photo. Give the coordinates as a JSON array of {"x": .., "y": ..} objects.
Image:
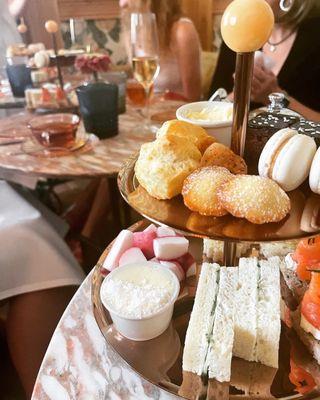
[{"x": 140, "y": 294}]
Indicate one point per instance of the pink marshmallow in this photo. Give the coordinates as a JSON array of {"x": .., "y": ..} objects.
[
  {"x": 164, "y": 231},
  {"x": 131, "y": 256},
  {"x": 122, "y": 243},
  {"x": 186, "y": 261},
  {"x": 144, "y": 240},
  {"x": 170, "y": 248},
  {"x": 175, "y": 268},
  {"x": 151, "y": 228}
]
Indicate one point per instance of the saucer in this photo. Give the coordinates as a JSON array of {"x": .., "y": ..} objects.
[{"x": 82, "y": 142}]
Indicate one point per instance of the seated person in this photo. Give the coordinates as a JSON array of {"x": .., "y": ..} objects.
[
  {"x": 39, "y": 275},
  {"x": 293, "y": 54},
  {"x": 179, "y": 47}
]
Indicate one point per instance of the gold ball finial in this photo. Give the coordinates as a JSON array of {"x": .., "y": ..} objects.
[
  {"x": 246, "y": 25},
  {"x": 22, "y": 28},
  {"x": 51, "y": 26}
]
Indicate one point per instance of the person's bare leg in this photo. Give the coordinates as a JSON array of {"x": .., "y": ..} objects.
[{"x": 32, "y": 319}]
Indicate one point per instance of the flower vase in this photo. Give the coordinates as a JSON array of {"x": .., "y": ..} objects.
[{"x": 98, "y": 103}]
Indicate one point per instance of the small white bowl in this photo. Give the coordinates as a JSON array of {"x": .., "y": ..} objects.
[
  {"x": 221, "y": 130},
  {"x": 148, "y": 327}
]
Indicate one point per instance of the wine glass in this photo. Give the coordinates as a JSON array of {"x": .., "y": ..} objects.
[{"x": 145, "y": 53}]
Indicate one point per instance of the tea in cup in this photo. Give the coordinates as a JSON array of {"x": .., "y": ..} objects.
[{"x": 55, "y": 130}]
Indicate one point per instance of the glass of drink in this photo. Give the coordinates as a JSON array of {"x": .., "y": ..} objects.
[
  {"x": 144, "y": 53},
  {"x": 55, "y": 131},
  {"x": 19, "y": 77}
]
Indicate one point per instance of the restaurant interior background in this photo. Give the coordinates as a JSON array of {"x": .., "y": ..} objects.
[{"x": 97, "y": 23}]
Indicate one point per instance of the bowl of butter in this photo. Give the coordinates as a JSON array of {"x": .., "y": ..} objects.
[{"x": 214, "y": 116}]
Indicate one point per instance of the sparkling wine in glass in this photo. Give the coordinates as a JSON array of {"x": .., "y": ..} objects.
[{"x": 145, "y": 53}]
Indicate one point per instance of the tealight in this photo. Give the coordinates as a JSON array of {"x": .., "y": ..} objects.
[{"x": 246, "y": 25}]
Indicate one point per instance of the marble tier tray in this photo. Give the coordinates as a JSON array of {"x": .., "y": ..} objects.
[
  {"x": 160, "y": 360},
  {"x": 303, "y": 220}
]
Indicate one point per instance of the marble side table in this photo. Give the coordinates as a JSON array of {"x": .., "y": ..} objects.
[{"x": 80, "y": 365}]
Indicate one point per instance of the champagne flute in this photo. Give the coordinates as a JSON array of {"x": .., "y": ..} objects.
[{"x": 145, "y": 53}]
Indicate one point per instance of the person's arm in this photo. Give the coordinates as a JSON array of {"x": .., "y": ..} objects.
[
  {"x": 306, "y": 112},
  {"x": 16, "y": 6},
  {"x": 187, "y": 50},
  {"x": 265, "y": 82}
]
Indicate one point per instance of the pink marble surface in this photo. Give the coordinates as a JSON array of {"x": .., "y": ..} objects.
[
  {"x": 96, "y": 158},
  {"x": 79, "y": 363}
]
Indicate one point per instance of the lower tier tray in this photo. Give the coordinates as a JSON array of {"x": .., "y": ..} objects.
[
  {"x": 303, "y": 220},
  {"x": 159, "y": 360}
]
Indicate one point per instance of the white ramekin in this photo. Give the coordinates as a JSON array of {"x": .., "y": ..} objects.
[
  {"x": 149, "y": 327},
  {"x": 221, "y": 130}
]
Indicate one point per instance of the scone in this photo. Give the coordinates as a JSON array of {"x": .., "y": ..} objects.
[
  {"x": 200, "y": 190},
  {"x": 163, "y": 165},
  {"x": 189, "y": 132},
  {"x": 220, "y": 155},
  {"x": 259, "y": 200}
]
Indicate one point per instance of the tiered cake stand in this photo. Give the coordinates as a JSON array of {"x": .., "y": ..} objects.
[
  {"x": 245, "y": 28},
  {"x": 160, "y": 360}
]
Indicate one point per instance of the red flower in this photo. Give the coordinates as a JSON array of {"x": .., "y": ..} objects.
[{"x": 92, "y": 63}]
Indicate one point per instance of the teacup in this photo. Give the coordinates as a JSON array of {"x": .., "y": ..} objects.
[{"x": 55, "y": 130}]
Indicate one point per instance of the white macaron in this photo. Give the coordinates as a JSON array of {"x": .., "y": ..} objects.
[
  {"x": 287, "y": 157},
  {"x": 314, "y": 177}
]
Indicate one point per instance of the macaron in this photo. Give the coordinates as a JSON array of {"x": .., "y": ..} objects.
[
  {"x": 314, "y": 177},
  {"x": 287, "y": 158}
]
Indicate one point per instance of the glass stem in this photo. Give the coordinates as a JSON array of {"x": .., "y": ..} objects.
[{"x": 147, "y": 91}]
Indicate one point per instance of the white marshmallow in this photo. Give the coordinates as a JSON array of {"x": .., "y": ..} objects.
[
  {"x": 164, "y": 231},
  {"x": 132, "y": 256},
  {"x": 151, "y": 228},
  {"x": 170, "y": 248},
  {"x": 122, "y": 243}
]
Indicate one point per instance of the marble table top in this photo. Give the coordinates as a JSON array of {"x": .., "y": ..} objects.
[
  {"x": 81, "y": 365},
  {"x": 103, "y": 158}
]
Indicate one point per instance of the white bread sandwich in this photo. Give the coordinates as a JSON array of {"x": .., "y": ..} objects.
[
  {"x": 209, "y": 338},
  {"x": 236, "y": 312},
  {"x": 278, "y": 160},
  {"x": 257, "y": 321},
  {"x": 219, "y": 354},
  {"x": 245, "y": 318},
  {"x": 201, "y": 320},
  {"x": 268, "y": 313}
]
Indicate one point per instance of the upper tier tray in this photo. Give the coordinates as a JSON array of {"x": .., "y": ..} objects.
[{"x": 303, "y": 221}]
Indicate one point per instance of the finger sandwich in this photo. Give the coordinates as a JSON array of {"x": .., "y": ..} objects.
[
  {"x": 206, "y": 349},
  {"x": 236, "y": 312}
]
